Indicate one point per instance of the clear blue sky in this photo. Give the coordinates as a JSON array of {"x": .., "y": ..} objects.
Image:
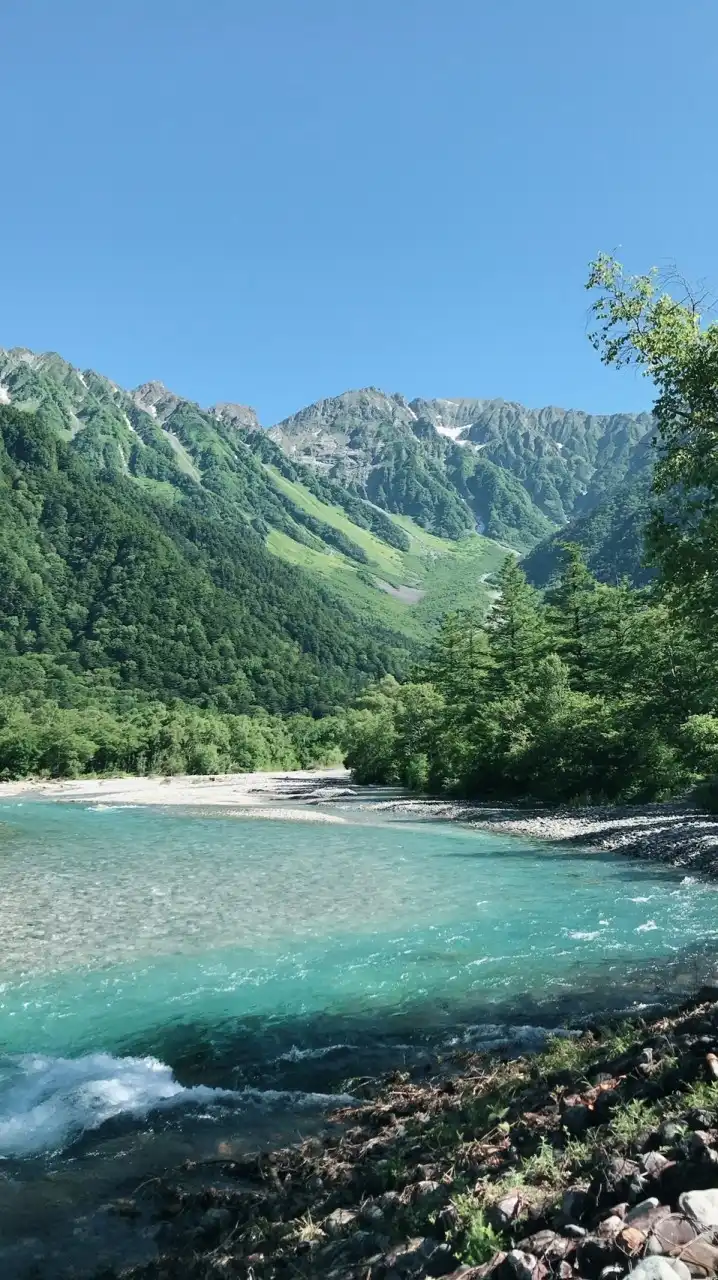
[{"x": 272, "y": 201}]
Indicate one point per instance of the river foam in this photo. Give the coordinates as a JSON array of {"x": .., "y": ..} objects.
[{"x": 47, "y": 1103}]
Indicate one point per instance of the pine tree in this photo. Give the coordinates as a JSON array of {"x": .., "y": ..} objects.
[
  {"x": 571, "y": 603},
  {"x": 518, "y": 631}
]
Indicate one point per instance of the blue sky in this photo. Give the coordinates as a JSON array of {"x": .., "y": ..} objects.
[{"x": 274, "y": 201}]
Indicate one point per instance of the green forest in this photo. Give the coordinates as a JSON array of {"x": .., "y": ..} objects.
[
  {"x": 140, "y": 634},
  {"x": 589, "y": 691},
  {"x": 146, "y": 627}
]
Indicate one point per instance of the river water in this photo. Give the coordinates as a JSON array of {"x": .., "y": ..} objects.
[{"x": 178, "y": 982}]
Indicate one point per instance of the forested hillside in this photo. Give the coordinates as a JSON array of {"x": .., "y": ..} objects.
[
  {"x": 219, "y": 458},
  {"x": 611, "y": 535},
  {"x": 176, "y": 598}
]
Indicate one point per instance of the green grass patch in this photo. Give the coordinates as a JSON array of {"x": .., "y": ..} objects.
[
  {"x": 450, "y": 574},
  {"x": 477, "y": 1241},
  {"x": 387, "y": 561}
]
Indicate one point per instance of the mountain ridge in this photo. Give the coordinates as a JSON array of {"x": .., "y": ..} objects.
[
  {"x": 454, "y": 466},
  {"x": 518, "y": 473}
]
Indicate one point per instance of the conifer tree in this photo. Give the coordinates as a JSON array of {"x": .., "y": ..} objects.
[{"x": 518, "y": 631}]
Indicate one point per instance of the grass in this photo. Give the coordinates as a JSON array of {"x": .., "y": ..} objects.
[
  {"x": 386, "y": 560},
  {"x": 184, "y": 461},
  {"x": 702, "y": 1096},
  {"x": 631, "y": 1120},
  {"x": 451, "y": 574},
  {"x": 341, "y": 575},
  {"x": 477, "y": 1240},
  {"x": 160, "y": 488}
]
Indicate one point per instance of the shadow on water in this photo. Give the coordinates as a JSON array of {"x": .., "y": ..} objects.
[
  {"x": 53, "y": 1209},
  {"x": 319, "y": 1051},
  {"x": 522, "y": 849}
]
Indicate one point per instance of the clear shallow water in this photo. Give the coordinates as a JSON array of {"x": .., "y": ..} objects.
[
  {"x": 175, "y": 979},
  {"x": 222, "y": 943}
]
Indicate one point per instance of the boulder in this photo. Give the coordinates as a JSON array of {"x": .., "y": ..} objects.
[
  {"x": 408, "y": 1255},
  {"x": 654, "y": 1162},
  {"x": 671, "y": 1234},
  {"x": 441, "y": 1260},
  {"x": 646, "y": 1214},
  {"x": 215, "y": 1221},
  {"x": 575, "y": 1203},
  {"x": 701, "y": 1207},
  {"x": 372, "y": 1213},
  {"x": 670, "y": 1133},
  {"x": 701, "y": 1256},
  {"x": 428, "y": 1191},
  {"x": 508, "y": 1210},
  {"x": 593, "y": 1255},
  {"x": 578, "y": 1119},
  {"x": 631, "y": 1240},
  {"x": 658, "y": 1268},
  {"x": 547, "y": 1244},
  {"x": 610, "y": 1227},
  {"x": 617, "y": 1173},
  {"x": 523, "y": 1265}
]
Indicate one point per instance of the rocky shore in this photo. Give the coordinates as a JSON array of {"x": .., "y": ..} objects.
[
  {"x": 675, "y": 833},
  {"x": 595, "y": 1158}
]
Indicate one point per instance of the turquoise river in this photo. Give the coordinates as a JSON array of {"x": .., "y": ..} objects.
[{"x": 178, "y": 981}]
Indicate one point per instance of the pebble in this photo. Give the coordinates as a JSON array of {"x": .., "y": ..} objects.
[{"x": 338, "y": 1221}]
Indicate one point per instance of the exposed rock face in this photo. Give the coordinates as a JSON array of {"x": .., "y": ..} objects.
[
  {"x": 344, "y": 433},
  {"x": 517, "y": 470},
  {"x": 240, "y": 416},
  {"x": 156, "y": 400}
]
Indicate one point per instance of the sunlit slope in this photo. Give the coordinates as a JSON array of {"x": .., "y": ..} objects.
[{"x": 410, "y": 589}]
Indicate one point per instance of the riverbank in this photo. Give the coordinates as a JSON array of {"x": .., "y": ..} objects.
[
  {"x": 674, "y": 833},
  {"x": 229, "y": 791},
  {"x": 594, "y": 1158}
]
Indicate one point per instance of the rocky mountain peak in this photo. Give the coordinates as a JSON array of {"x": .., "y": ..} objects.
[
  {"x": 241, "y": 416},
  {"x": 154, "y": 398}
]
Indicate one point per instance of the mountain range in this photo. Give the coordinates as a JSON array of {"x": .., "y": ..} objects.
[{"x": 328, "y": 544}]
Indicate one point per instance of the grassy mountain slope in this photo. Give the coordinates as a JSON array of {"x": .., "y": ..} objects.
[
  {"x": 454, "y": 465},
  {"x": 412, "y": 587}
]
